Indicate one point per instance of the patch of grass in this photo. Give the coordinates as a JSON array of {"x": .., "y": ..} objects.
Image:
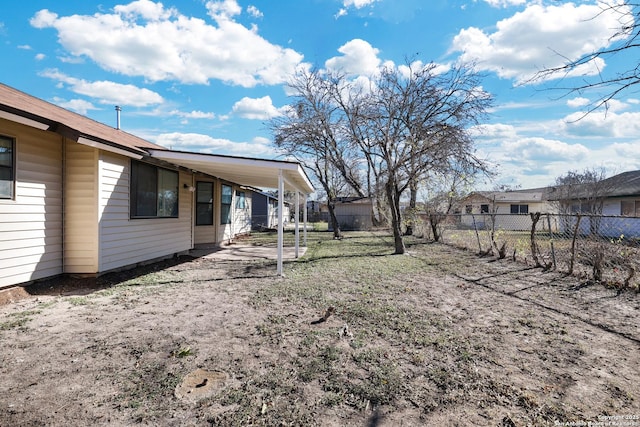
[
  {"x": 318, "y": 363},
  {"x": 18, "y": 320},
  {"x": 145, "y": 390},
  {"x": 184, "y": 351},
  {"x": 76, "y": 301},
  {"x": 268, "y": 397}
]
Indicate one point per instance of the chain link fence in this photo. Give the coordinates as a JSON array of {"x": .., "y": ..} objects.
[{"x": 603, "y": 249}]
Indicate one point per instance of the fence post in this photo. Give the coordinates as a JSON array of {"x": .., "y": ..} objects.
[
  {"x": 553, "y": 251},
  {"x": 477, "y": 235}
]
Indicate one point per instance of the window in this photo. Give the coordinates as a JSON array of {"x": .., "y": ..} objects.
[
  {"x": 6, "y": 167},
  {"x": 468, "y": 209},
  {"x": 225, "y": 204},
  {"x": 484, "y": 209},
  {"x": 241, "y": 202},
  {"x": 204, "y": 203},
  {"x": 520, "y": 209},
  {"x": 630, "y": 208},
  {"x": 154, "y": 191}
]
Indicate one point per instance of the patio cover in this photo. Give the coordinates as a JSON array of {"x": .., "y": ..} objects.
[{"x": 257, "y": 173}]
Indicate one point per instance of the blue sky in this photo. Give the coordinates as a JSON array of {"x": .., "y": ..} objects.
[{"x": 205, "y": 76}]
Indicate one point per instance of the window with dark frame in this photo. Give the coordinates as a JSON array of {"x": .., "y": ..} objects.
[
  {"x": 519, "y": 209},
  {"x": 204, "y": 203},
  {"x": 484, "y": 209},
  {"x": 7, "y": 167},
  {"x": 154, "y": 191},
  {"x": 630, "y": 208},
  {"x": 225, "y": 204},
  {"x": 468, "y": 209}
]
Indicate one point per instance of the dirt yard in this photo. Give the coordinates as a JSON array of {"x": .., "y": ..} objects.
[{"x": 351, "y": 336}]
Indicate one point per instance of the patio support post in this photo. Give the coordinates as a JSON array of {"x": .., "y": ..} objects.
[
  {"x": 280, "y": 220},
  {"x": 296, "y": 209},
  {"x": 304, "y": 222}
]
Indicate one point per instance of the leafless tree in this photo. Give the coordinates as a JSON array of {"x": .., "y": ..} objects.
[
  {"x": 416, "y": 123},
  {"x": 582, "y": 192},
  {"x": 405, "y": 123},
  {"x": 580, "y": 196},
  {"x": 624, "y": 39},
  {"x": 312, "y": 132},
  {"x": 443, "y": 192}
]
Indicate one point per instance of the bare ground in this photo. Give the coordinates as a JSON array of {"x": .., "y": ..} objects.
[{"x": 439, "y": 337}]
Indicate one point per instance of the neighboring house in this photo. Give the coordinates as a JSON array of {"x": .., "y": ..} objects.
[
  {"x": 618, "y": 195},
  {"x": 353, "y": 213},
  {"x": 617, "y": 199},
  {"x": 80, "y": 197},
  {"x": 264, "y": 214},
  {"x": 512, "y": 208}
]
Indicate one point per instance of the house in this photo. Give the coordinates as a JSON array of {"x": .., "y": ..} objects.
[
  {"x": 511, "y": 208},
  {"x": 264, "y": 213},
  {"x": 81, "y": 197},
  {"x": 614, "y": 197}
]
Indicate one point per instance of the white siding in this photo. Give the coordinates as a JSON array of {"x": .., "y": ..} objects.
[
  {"x": 125, "y": 241},
  {"x": 611, "y": 207},
  {"x": 31, "y": 224},
  {"x": 81, "y": 209},
  {"x": 242, "y": 217}
]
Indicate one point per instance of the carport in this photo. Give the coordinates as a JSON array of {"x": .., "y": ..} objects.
[{"x": 258, "y": 173}]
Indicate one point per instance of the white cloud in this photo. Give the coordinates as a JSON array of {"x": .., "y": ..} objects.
[
  {"x": 225, "y": 9},
  {"x": 256, "y": 108},
  {"x": 358, "y": 57},
  {"x": 107, "y": 92},
  {"x": 24, "y": 47},
  {"x": 505, "y": 3},
  {"x": 358, "y": 4},
  {"x": 145, "y": 39},
  {"x": 40, "y": 56},
  {"x": 206, "y": 144},
  {"x": 611, "y": 124},
  {"x": 627, "y": 149},
  {"x": 544, "y": 150},
  {"x": 613, "y": 105},
  {"x": 146, "y": 9},
  {"x": 80, "y": 106},
  {"x": 192, "y": 114},
  {"x": 254, "y": 11},
  {"x": 578, "y": 102},
  {"x": 521, "y": 157},
  {"x": 528, "y": 41},
  {"x": 498, "y": 131},
  {"x": 43, "y": 19}
]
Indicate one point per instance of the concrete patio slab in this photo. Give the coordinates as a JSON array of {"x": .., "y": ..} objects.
[{"x": 245, "y": 252}]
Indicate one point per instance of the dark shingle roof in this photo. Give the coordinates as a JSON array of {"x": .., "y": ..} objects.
[{"x": 622, "y": 185}]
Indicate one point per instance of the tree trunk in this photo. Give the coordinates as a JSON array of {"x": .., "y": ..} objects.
[
  {"x": 335, "y": 225},
  {"x": 434, "y": 220},
  {"x": 396, "y": 218},
  {"x": 413, "y": 200}
]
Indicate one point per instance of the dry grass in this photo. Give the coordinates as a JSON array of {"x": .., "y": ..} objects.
[{"x": 436, "y": 337}]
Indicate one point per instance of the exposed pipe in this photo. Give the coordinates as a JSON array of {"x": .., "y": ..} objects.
[{"x": 118, "y": 109}]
